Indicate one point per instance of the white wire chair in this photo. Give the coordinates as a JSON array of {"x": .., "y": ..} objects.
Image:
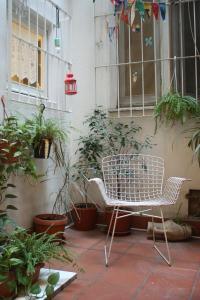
[{"x": 136, "y": 180}]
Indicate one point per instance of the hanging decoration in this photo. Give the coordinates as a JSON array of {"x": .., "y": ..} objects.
[
  {"x": 70, "y": 84},
  {"x": 111, "y": 30},
  {"x": 132, "y": 14},
  {"x": 163, "y": 10},
  {"x": 57, "y": 40},
  {"x": 155, "y": 8},
  {"x": 148, "y": 9},
  {"x": 139, "y": 5},
  {"x": 135, "y": 76},
  {"x": 125, "y": 16},
  {"x": 148, "y": 40}
]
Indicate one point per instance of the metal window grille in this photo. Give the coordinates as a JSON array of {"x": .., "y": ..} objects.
[
  {"x": 133, "y": 69},
  {"x": 37, "y": 65}
]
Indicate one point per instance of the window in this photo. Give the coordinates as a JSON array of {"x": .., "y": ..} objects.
[
  {"x": 138, "y": 66},
  {"x": 27, "y": 61},
  {"x": 40, "y": 38},
  {"x": 185, "y": 34}
]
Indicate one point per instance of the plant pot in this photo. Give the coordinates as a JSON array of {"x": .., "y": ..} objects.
[
  {"x": 87, "y": 215},
  {"x": 122, "y": 226},
  {"x": 5, "y": 290},
  {"x": 36, "y": 275},
  {"x": 50, "y": 223},
  {"x": 42, "y": 150},
  {"x": 8, "y": 157}
]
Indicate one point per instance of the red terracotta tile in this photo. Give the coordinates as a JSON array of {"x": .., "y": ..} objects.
[
  {"x": 172, "y": 284},
  {"x": 136, "y": 271}
]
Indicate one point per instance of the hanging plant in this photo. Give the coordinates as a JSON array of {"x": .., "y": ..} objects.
[
  {"x": 175, "y": 108},
  {"x": 194, "y": 142}
]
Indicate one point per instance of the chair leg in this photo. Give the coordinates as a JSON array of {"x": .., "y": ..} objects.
[
  {"x": 167, "y": 259},
  {"x": 107, "y": 255}
]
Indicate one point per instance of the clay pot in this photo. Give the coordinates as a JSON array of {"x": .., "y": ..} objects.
[
  {"x": 7, "y": 157},
  {"x": 5, "y": 290},
  {"x": 36, "y": 275},
  {"x": 122, "y": 226},
  {"x": 50, "y": 223},
  {"x": 42, "y": 150},
  {"x": 87, "y": 214}
]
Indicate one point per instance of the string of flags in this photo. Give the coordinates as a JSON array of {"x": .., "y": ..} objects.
[{"x": 125, "y": 11}]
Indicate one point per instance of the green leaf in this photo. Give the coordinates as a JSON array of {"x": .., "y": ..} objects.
[
  {"x": 17, "y": 154},
  {"x": 49, "y": 290},
  {"x": 35, "y": 289},
  {"x": 11, "y": 185},
  {"x": 53, "y": 278},
  {"x": 12, "y": 207},
  {"x": 16, "y": 261},
  {"x": 3, "y": 277},
  {"x": 10, "y": 196}
]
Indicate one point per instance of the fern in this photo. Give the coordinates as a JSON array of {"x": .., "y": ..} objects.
[{"x": 173, "y": 107}]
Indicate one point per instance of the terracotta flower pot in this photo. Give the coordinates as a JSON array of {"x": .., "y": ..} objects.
[
  {"x": 50, "y": 223},
  {"x": 87, "y": 215},
  {"x": 5, "y": 290},
  {"x": 8, "y": 157},
  {"x": 122, "y": 225},
  {"x": 36, "y": 275}
]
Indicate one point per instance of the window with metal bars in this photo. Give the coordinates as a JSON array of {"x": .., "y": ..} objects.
[
  {"x": 40, "y": 38},
  {"x": 145, "y": 63}
]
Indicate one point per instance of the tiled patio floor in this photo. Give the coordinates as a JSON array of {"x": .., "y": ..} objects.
[{"x": 136, "y": 272}]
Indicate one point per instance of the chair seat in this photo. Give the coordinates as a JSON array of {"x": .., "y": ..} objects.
[{"x": 149, "y": 202}]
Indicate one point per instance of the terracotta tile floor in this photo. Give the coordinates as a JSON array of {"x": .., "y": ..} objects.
[{"x": 136, "y": 272}]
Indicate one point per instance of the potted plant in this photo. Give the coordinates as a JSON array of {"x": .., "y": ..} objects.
[
  {"x": 46, "y": 133},
  {"x": 194, "y": 142},
  {"x": 84, "y": 211},
  {"x": 22, "y": 257},
  {"x": 173, "y": 107},
  {"x": 105, "y": 137}
]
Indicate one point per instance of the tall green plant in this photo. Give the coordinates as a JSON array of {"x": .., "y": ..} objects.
[{"x": 107, "y": 137}]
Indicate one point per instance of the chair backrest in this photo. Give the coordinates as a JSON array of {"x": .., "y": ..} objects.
[{"x": 133, "y": 177}]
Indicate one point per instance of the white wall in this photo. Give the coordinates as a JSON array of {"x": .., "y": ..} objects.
[{"x": 32, "y": 198}]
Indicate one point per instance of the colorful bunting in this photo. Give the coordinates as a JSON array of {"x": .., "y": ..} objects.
[
  {"x": 132, "y": 14},
  {"x": 140, "y": 7},
  {"x": 124, "y": 16},
  {"x": 148, "y": 9},
  {"x": 155, "y": 8},
  {"x": 163, "y": 10}
]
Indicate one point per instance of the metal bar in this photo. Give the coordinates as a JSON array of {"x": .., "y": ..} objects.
[
  {"x": 195, "y": 44},
  {"x": 181, "y": 44},
  {"x": 155, "y": 57},
  {"x": 9, "y": 43},
  {"x": 147, "y": 61},
  {"x": 118, "y": 74},
  {"x": 130, "y": 69},
  {"x": 142, "y": 50}
]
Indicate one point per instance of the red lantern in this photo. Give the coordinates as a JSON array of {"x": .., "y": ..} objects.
[{"x": 70, "y": 84}]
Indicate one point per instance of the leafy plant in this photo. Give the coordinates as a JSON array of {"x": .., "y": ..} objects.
[
  {"x": 42, "y": 129},
  {"x": 23, "y": 252},
  {"x": 194, "y": 142},
  {"x": 107, "y": 137},
  {"x": 173, "y": 107}
]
